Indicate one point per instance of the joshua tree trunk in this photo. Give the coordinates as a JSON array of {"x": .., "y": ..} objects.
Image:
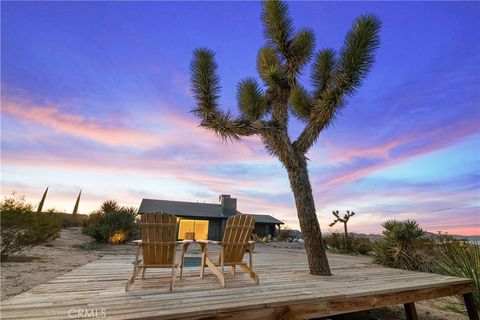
[
  {"x": 346, "y": 235},
  {"x": 302, "y": 191}
]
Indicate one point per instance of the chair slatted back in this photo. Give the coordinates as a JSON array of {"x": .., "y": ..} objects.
[
  {"x": 238, "y": 231},
  {"x": 159, "y": 235}
]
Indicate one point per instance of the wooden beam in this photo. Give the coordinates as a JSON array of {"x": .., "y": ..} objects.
[
  {"x": 410, "y": 311},
  {"x": 315, "y": 308},
  {"x": 470, "y": 304}
]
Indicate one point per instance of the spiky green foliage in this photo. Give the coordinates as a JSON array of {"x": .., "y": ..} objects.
[
  {"x": 301, "y": 103},
  {"x": 356, "y": 55},
  {"x": 77, "y": 203},
  {"x": 322, "y": 70},
  {"x": 400, "y": 247},
  {"x": 40, "y": 205},
  {"x": 268, "y": 64},
  {"x": 205, "y": 81},
  {"x": 404, "y": 231},
  {"x": 251, "y": 99},
  {"x": 278, "y": 25},
  {"x": 346, "y": 74},
  {"x": 460, "y": 259},
  {"x": 301, "y": 51},
  {"x": 205, "y": 86}
]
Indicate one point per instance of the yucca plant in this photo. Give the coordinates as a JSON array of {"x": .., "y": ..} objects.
[
  {"x": 264, "y": 109},
  {"x": 400, "y": 246},
  {"x": 461, "y": 259},
  {"x": 112, "y": 219}
]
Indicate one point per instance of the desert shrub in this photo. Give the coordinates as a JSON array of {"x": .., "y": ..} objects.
[
  {"x": 335, "y": 240},
  {"x": 361, "y": 244},
  {"x": 112, "y": 219},
  {"x": 402, "y": 246},
  {"x": 70, "y": 220},
  {"x": 355, "y": 243},
  {"x": 284, "y": 235},
  {"x": 22, "y": 228},
  {"x": 460, "y": 259}
]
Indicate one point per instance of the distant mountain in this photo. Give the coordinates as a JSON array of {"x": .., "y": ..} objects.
[
  {"x": 371, "y": 237},
  {"x": 455, "y": 236},
  {"x": 434, "y": 236}
]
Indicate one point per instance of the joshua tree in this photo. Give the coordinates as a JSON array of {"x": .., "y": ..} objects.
[
  {"x": 343, "y": 220},
  {"x": 264, "y": 109}
]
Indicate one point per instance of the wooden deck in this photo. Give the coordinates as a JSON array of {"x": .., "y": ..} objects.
[{"x": 286, "y": 291}]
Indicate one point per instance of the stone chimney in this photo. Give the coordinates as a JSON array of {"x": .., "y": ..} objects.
[{"x": 229, "y": 205}]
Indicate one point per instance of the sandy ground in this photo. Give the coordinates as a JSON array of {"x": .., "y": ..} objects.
[
  {"x": 43, "y": 263},
  {"x": 73, "y": 249}
]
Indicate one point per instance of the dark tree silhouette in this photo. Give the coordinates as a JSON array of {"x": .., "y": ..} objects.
[
  {"x": 343, "y": 220},
  {"x": 264, "y": 109},
  {"x": 40, "y": 205},
  {"x": 75, "y": 208}
]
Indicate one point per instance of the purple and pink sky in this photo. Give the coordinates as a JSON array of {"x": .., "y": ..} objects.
[{"x": 95, "y": 96}]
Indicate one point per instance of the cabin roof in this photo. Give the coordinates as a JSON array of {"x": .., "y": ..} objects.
[
  {"x": 265, "y": 218},
  {"x": 182, "y": 208}
]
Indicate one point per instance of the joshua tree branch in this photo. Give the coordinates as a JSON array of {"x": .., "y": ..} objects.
[
  {"x": 322, "y": 115},
  {"x": 355, "y": 60},
  {"x": 206, "y": 87}
]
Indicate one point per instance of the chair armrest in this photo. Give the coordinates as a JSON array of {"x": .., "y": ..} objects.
[
  {"x": 137, "y": 242},
  {"x": 209, "y": 241},
  {"x": 184, "y": 241},
  {"x": 251, "y": 242}
]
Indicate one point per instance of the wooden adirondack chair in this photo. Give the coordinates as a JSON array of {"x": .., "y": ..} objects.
[
  {"x": 232, "y": 248},
  {"x": 159, "y": 241}
]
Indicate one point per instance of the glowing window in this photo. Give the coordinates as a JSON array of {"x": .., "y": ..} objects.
[{"x": 193, "y": 229}]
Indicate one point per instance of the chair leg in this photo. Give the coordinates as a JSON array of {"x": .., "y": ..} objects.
[
  {"x": 143, "y": 273},
  {"x": 214, "y": 269},
  {"x": 182, "y": 259},
  {"x": 136, "y": 270},
  {"x": 233, "y": 270},
  {"x": 174, "y": 275},
  {"x": 222, "y": 258},
  {"x": 203, "y": 246},
  {"x": 252, "y": 274},
  {"x": 470, "y": 304},
  {"x": 181, "y": 268},
  {"x": 129, "y": 282}
]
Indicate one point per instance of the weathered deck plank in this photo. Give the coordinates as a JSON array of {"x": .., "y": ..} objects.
[{"x": 286, "y": 291}]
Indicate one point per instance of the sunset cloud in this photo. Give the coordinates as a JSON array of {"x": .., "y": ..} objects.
[{"x": 88, "y": 103}]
